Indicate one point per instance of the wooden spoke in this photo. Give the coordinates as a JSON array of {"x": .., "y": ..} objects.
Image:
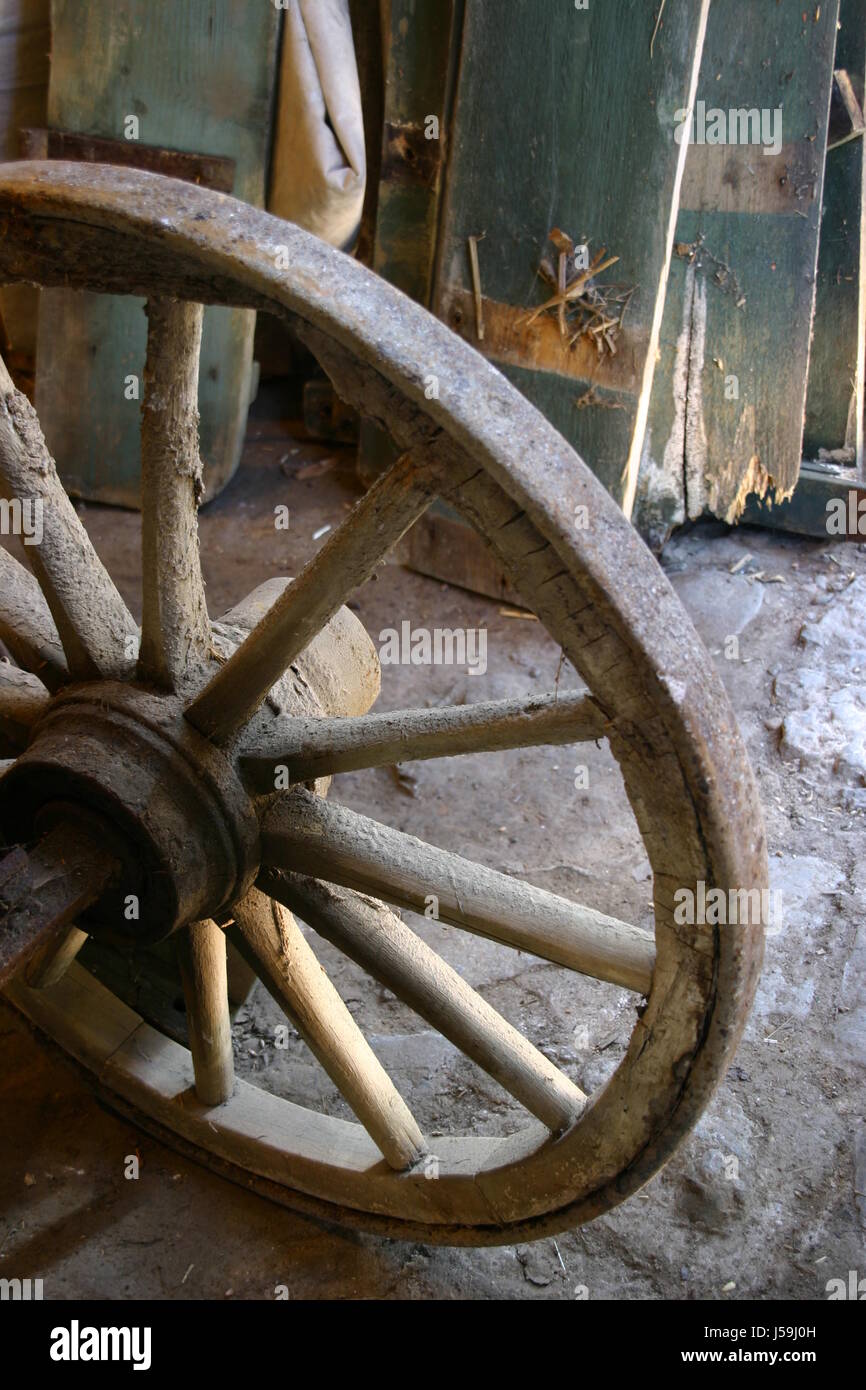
[
  {"x": 319, "y": 747},
  {"x": 93, "y": 621},
  {"x": 268, "y": 937},
  {"x": 175, "y": 632},
  {"x": 201, "y": 951},
  {"x": 23, "y": 699},
  {"x": 42, "y": 892},
  {"x": 26, "y": 625},
  {"x": 50, "y": 964},
  {"x": 375, "y": 937},
  {"x": 305, "y": 833},
  {"x": 347, "y": 559}
]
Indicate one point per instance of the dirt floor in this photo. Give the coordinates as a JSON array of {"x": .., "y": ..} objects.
[{"x": 768, "y": 1196}]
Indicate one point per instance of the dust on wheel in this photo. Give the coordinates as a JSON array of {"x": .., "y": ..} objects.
[{"x": 146, "y": 770}]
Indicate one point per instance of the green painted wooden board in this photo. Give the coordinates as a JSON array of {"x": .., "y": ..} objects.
[
  {"x": 726, "y": 415},
  {"x": 199, "y": 77},
  {"x": 834, "y": 401},
  {"x": 25, "y": 40},
  {"x": 565, "y": 118},
  {"x": 819, "y": 487},
  {"x": 422, "y": 48}
]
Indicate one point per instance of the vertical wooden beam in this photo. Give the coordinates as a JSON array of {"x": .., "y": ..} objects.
[
  {"x": 834, "y": 403},
  {"x": 568, "y": 122},
  {"x": 726, "y": 416}
]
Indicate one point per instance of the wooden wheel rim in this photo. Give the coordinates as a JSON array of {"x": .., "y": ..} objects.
[{"x": 599, "y": 593}]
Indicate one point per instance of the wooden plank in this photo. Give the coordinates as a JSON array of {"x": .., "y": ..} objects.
[
  {"x": 183, "y": 73},
  {"x": 213, "y": 171},
  {"x": 511, "y": 172},
  {"x": 569, "y": 123},
  {"x": 834, "y": 402},
  {"x": 726, "y": 416},
  {"x": 422, "y": 46},
  {"x": 25, "y": 46}
]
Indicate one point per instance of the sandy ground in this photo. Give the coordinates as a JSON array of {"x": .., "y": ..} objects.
[{"x": 766, "y": 1197}]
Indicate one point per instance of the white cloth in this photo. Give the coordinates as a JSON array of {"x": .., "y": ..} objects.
[{"x": 319, "y": 170}]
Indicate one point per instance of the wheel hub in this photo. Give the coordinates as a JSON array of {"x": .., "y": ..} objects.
[{"x": 168, "y": 803}]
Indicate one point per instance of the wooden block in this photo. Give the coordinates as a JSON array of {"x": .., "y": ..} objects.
[{"x": 199, "y": 78}]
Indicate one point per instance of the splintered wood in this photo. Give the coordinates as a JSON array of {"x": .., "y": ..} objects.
[{"x": 476, "y": 284}]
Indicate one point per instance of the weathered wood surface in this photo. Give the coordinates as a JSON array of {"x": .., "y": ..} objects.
[
  {"x": 213, "y": 171},
  {"x": 25, "y": 48},
  {"x": 421, "y": 42},
  {"x": 201, "y": 953},
  {"x": 175, "y": 630},
  {"x": 321, "y": 747},
  {"x": 835, "y": 398},
  {"x": 346, "y": 560},
  {"x": 307, "y": 834},
  {"x": 422, "y": 47},
  {"x": 26, "y": 625},
  {"x": 565, "y": 118},
  {"x": 375, "y": 937},
  {"x": 819, "y": 487},
  {"x": 271, "y": 941},
  {"x": 726, "y": 417},
  {"x": 198, "y": 77},
  {"x": 603, "y": 599},
  {"x": 93, "y": 621},
  {"x": 23, "y": 698},
  {"x": 44, "y": 889},
  {"x": 50, "y": 964}
]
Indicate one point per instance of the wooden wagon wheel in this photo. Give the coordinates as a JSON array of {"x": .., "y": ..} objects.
[{"x": 147, "y": 776}]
